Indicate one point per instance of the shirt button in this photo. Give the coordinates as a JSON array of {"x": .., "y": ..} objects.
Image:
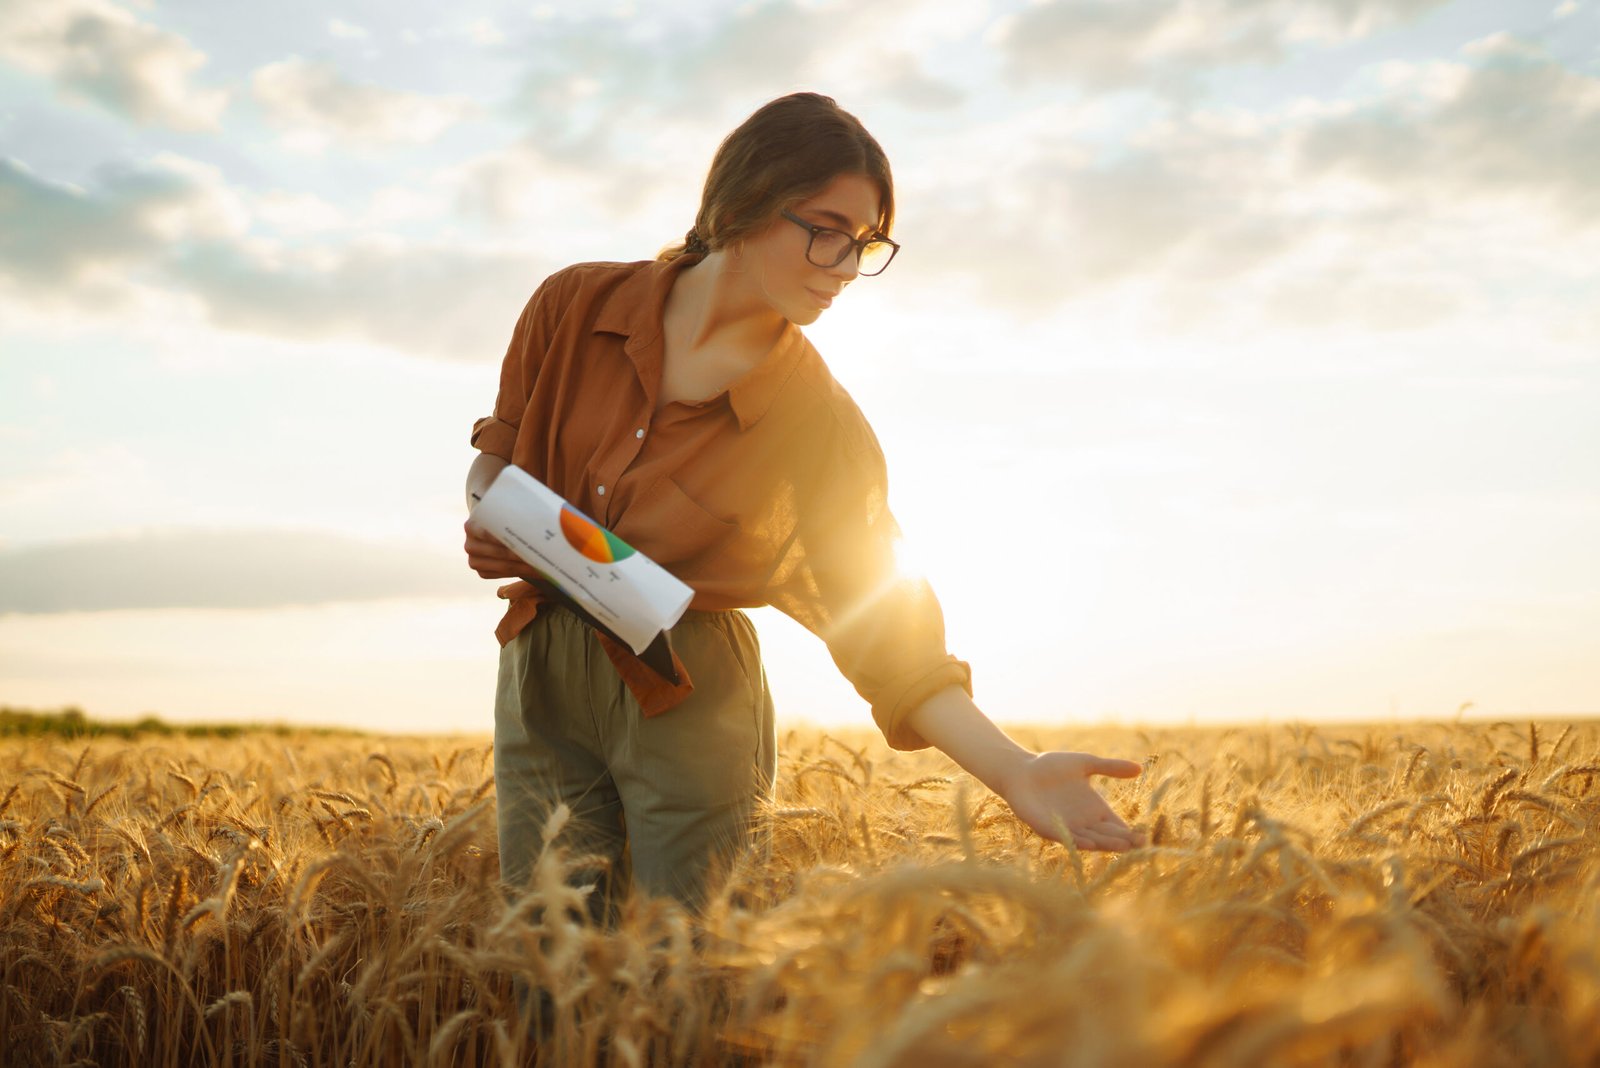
[
  {"x": 639, "y": 433},
  {"x": 602, "y": 491}
]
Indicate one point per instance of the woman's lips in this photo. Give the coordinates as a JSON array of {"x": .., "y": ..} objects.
[{"x": 824, "y": 299}]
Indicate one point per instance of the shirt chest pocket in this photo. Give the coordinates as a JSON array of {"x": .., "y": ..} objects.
[{"x": 676, "y": 531}]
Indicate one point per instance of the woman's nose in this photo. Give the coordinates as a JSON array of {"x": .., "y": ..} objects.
[{"x": 848, "y": 268}]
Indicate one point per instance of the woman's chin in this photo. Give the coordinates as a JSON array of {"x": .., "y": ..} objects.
[{"x": 804, "y": 316}]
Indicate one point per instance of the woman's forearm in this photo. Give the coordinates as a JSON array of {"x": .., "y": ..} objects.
[
  {"x": 485, "y": 553},
  {"x": 480, "y": 474},
  {"x": 955, "y": 725}
]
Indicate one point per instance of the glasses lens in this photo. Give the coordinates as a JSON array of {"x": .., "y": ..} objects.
[
  {"x": 829, "y": 248},
  {"x": 876, "y": 256}
]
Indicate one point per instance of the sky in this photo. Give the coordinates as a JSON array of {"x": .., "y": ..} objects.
[{"x": 1241, "y": 361}]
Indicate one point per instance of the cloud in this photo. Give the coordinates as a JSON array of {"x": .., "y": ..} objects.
[
  {"x": 626, "y": 111},
  {"x": 1113, "y": 44},
  {"x": 98, "y": 51},
  {"x": 1515, "y": 123},
  {"x": 1371, "y": 211},
  {"x": 451, "y": 301},
  {"x": 1058, "y": 220},
  {"x": 60, "y": 239},
  {"x": 175, "y": 228},
  {"x": 348, "y": 31},
  {"x": 909, "y": 83},
  {"x": 220, "y": 569},
  {"x": 1372, "y": 214},
  {"x": 54, "y": 234},
  {"x": 483, "y": 31},
  {"x": 295, "y": 214},
  {"x": 592, "y": 77},
  {"x": 313, "y": 105}
]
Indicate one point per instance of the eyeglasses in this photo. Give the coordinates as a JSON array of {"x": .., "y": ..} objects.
[{"x": 828, "y": 247}]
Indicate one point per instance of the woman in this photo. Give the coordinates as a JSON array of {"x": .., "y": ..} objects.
[{"x": 677, "y": 403}]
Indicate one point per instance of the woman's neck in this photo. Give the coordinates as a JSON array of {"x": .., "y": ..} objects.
[{"x": 716, "y": 306}]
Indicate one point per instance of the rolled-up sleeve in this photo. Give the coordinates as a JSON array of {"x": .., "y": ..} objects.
[
  {"x": 884, "y": 629},
  {"x": 497, "y": 434}
]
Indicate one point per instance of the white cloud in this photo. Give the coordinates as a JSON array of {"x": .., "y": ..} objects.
[
  {"x": 1145, "y": 43},
  {"x": 348, "y": 31},
  {"x": 500, "y": 186},
  {"x": 522, "y": 184},
  {"x": 1367, "y": 215},
  {"x": 589, "y": 78},
  {"x": 484, "y": 32},
  {"x": 57, "y": 239},
  {"x": 907, "y": 81},
  {"x": 95, "y": 50},
  {"x": 313, "y": 105},
  {"x": 1361, "y": 212},
  {"x": 1503, "y": 45},
  {"x": 176, "y": 229},
  {"x": 293, "y": 214},
  {"x": 622, "y": 115},
  {"x": 447, "y": 300},
  {"x": 1517, "y": 126},
  {"x": 1566, "y": 9}
]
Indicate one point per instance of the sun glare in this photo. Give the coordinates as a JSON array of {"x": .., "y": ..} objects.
[{"x": 908, "y": 561}]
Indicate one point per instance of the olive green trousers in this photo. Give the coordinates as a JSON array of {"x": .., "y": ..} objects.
[{"x": 667, "y": 800}]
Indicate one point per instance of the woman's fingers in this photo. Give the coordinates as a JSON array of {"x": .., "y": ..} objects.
[
  {"x": 1127, "y": 838},
  {"x": 1109, "y": 835},
  {"x": 1115, "y": 827},
  {"x": 489, "y": 550},
  {"x": 1102, "y": 842},
  {"x": 488, "y": 556},
  {"x": 481, "y": 543},
  {"x": 1117, "y": 769}
]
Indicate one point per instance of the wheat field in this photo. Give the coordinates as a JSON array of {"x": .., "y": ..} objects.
[{"x": 1380, "y": 895}]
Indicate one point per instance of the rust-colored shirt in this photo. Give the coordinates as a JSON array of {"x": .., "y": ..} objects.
[{"x": 772, "y": 492}]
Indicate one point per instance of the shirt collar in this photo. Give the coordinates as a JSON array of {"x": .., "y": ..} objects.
[
  {"x": 634, "y": 310},
  {"x": 753, "y": 392}
]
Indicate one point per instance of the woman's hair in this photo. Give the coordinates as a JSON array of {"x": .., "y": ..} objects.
[{"x": 783, "y": 154}]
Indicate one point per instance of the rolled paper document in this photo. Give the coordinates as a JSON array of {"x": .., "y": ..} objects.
[{"x": 625, "y": 591}]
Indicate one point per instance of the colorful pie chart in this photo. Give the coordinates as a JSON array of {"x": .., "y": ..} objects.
[{"x": 593, "y": 541}]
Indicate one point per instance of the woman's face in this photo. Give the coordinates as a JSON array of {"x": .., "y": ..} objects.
[{"x": 776, "y": 259}]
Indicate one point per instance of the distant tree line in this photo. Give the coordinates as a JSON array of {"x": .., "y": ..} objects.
[{"x": 71, "y": 722}]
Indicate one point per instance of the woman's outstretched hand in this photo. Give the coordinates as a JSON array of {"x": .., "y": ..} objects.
[{"x": 1051, "y": 793}]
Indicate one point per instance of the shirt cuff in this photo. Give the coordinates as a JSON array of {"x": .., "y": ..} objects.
[
  {"x": 494, "y": 436},
  {"x": 890, "y": 713}
]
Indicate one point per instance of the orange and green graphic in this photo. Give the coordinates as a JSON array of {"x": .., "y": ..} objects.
[{"x": 595, "y": 542}]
